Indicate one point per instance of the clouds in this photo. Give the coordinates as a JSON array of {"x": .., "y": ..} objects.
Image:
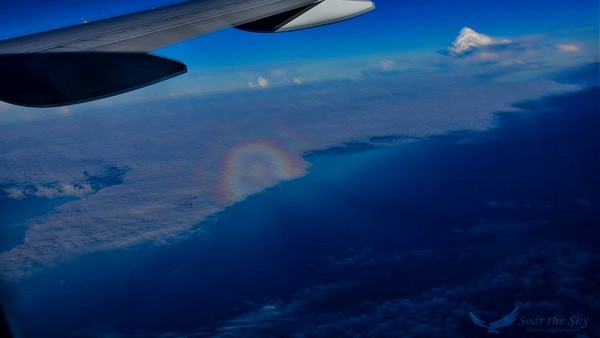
[
  {"x": 176, "y": 147},
  {"x": 281, "y": 79},
  {"x": 387, "y": 64},
  {"x": 569, "y": 47},
  {"x": 542, "y": 281},
  {"x": 176, "y": 150},
  {"x": 490, "y": 58},
  {"x": 269, "y": 317},
  {"x": 86, "y": 185},
  {"x": 468, "y": 39},
  {"x": 264, "y": 83},
  {"x": 299, "y": 80},
  {"x": 260, "y": 83},
  {"x": 50, "y": 191}
]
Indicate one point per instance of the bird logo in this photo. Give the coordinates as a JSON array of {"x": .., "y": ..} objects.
[{"x": 492, "y": 327}]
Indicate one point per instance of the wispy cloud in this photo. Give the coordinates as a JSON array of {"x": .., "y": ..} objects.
[
  {"x": 569, "y": 47},
  {"x": 274, "y": 313}
]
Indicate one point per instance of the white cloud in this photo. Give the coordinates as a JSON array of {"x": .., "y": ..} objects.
[
  {"x": 50, "y": 191},
  {"x": 15, "y": 193},
  {"x": 65, "y": 189},
  {"x": 569, "y": 48},
  {"x": 260, "y": 83},
  {"x": 387, "y": 64},
  {"x": 469, "y": 39},
  {"x": 299, "y": 80}
]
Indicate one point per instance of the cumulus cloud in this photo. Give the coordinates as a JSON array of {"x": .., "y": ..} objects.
[
  {"x": 16, "y": 193},
  {"x": 468, "y": 39},
  {"x": 299, "y": 80},
  {"x": 260, "y": 83}
]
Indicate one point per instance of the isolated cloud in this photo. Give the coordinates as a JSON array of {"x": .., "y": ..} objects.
[
  {"x": 468, "y": 39},
  {"x": 16, "y": 193},
  {"x": 260, "y": 83},
  {"x": 387, "y": 64},
  {"x": 299, "y": 80}
]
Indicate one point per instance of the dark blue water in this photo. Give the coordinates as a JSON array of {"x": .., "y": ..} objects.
[
  {"x": 390, "y": 222},
  {"x": 14, "y": 213}
]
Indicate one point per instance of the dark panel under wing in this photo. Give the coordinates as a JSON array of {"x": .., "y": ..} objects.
[{"x": 58, "y": 79}]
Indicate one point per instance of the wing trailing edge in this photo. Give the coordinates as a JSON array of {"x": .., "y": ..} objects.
[{"x": 312, "y": 15}]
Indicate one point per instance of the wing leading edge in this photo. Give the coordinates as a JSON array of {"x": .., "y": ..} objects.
[{"x": 149, "y": 30}]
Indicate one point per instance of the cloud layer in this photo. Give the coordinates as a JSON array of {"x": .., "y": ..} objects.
[
  {"x": 178, "y": 151},
  {"x": 179, "y": 148}
]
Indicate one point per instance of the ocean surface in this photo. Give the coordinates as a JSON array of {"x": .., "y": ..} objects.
[
  {"x": 16, "y": 212},
  {"x": 370, "y": 224}
]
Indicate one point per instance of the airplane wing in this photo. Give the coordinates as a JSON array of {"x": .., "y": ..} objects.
[
  {"x": 99, "y": 59},
  {"x": 146, "y": 31}
]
